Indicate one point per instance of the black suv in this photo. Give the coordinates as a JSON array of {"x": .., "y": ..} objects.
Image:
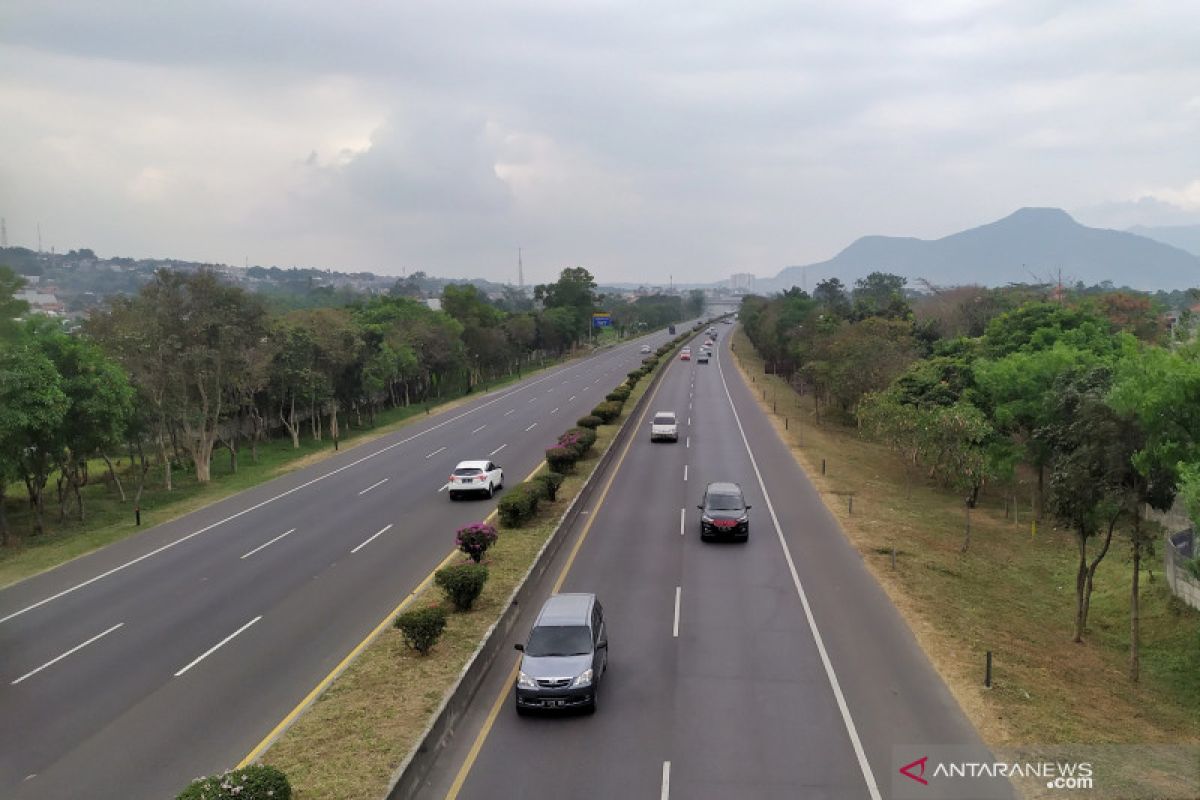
[{"x": 724, "y": 512}]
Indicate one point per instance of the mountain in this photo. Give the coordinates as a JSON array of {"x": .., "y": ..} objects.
[
  {"x": 1185, "y": 237},
  {"x": 1030, "y": 245}
]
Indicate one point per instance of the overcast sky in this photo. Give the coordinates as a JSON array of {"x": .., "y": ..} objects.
[{"x": 639, "y": 139}]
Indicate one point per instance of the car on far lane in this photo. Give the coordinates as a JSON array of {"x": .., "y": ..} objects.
[
  {"x": 685, "y": 354},
  {"x": 645, "y": 348},
  {"x": 664, "y": 426},
  {"x": 724, "y": 512},
  {"x": 475, "y": 477}
]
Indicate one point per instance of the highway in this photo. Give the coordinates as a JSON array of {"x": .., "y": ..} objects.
[
  {"x": 777, "y": 668},
  {"x": 172, "y": 653}
]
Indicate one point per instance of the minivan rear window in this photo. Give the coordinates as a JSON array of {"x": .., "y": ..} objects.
[{"x": 559, "y": 640}]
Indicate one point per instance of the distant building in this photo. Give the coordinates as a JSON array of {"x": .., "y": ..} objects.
[
  {"x": 743, "y": 281},
  {"x": 41, "y": 302}
]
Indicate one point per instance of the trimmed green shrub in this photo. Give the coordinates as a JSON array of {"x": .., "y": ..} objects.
[
  {"x": 607, "y": 411},
  {"x": 255, "y": 782},
  {"x": 621, "y": 394},
  {"x": 462, "y": 584},
  {"x": 636, "y": 375},
  {"x": 561, "y": 459},
  {"x": 517, "y": 506},
  {"x": 590, "y": 421},
  {"x": 549, "y": 482},
  {"x": 475, "y": 539},
  {"x": 422, "y": 627}
]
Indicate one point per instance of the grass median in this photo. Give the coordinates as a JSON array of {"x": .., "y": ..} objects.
[
  {"x": 351, "y": 740},
  {"x": 1012, "y": 593}
]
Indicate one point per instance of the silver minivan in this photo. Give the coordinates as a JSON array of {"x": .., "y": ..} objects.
[{"x": 565, "y": 656}]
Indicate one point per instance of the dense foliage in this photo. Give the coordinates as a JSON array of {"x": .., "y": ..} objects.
[
  {"x": 1085, "y": 391},
  {"x": 189, "y": 365},
  {"x": 254, "y": 782}
]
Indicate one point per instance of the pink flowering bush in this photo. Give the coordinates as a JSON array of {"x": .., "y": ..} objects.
[{"x": 475, "y": 539}]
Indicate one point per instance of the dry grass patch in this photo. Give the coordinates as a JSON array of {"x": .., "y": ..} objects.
[
  {"x": 1012, "y": 593},
  {"x": 348, "y": 744}
]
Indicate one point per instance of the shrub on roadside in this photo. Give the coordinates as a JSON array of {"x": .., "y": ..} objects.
[
  {"x": 561, "y": 459},
  {"x": 549, "y": 483},
  {"x": 462, "y": 584},
  {"x": 517, "y": 506},
  {"x": 255, "y": 782},
  {"x": 590, "y": 421},
  {"x": 607, "y": 411},
  {"x": 475, "y": 539},
  {"x": 422, "y": 627},
  {"x": 620, "y": 394},
  {"x": 636, "y": 375},
  {"x": 584, "y": 438}
]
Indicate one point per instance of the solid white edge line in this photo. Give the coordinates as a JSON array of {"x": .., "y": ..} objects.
[
  {"x": 531, "y": 427},
  {"x": 282, "y": 495},
  {"x": 377, "y": 484},
  {"x": 74, "y": 649},
  {"x": 675, "y": 627},
  {"x": 267, "y": 544},
  {"x": 384, "y": 529},
  {"x": 681, "y": 518},
  {"x": 217, "y": 646},
  {"x": 666, "y": 782},
  {"x": 851, "y": 730},
  {"x": 498, "y": 449},
  {"x": 435, "y": 452}
]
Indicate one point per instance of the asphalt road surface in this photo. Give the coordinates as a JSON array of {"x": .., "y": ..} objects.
[
  {"x": 171, "y": 654},
  {"x": 772, "y": 669}
]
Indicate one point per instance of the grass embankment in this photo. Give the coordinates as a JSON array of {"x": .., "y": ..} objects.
[
  {"x": 1013, "y": 593},
  {"x": 348, "y": 744},
  {"x": 108, "y": 519}
]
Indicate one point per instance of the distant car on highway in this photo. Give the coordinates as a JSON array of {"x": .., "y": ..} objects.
[
  {"x": 565, "y": 656},
  {"x": 686, "y": 355},
  {"x": 664, "y": 427},
  {"x": 645, "y": 348},
  {"x": 475, "y": 477},
  {"x": 703, "y": 357},
  {"x": 724, "y": 512}
]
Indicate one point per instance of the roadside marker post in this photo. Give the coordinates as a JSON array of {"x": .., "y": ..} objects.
[{"x": 987, "y": 676}]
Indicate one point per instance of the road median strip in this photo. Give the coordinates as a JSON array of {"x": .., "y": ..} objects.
[{"x": 374, "y": 726}]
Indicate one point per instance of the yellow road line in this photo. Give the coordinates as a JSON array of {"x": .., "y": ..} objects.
[
  {"x": 295, "y": 713},
  {"x": 477, "y": 745}
]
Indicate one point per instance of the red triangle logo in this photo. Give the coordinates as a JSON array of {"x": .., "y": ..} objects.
[{"x": 920, "y": 764}]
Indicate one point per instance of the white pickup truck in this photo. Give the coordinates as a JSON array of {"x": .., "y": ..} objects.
[{"x": 664, "y": 426}]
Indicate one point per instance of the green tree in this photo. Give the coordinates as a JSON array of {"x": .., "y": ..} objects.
[
  {"x": 831, "y": 295},
  {"x": 880, "y": 294},
  {"x": 954, "y": 442},
  {"x": 10, "y": 307},
  {"x": 32, "y": 407},
  {"x": 99, "y": 407}
]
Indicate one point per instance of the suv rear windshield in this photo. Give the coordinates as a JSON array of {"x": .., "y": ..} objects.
[
  {"x": 559, "y": 640},
  {"x": 663, "y": 419},
  {"x": 724, "y": 502},
  {"x": 463, "y": 471}
]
